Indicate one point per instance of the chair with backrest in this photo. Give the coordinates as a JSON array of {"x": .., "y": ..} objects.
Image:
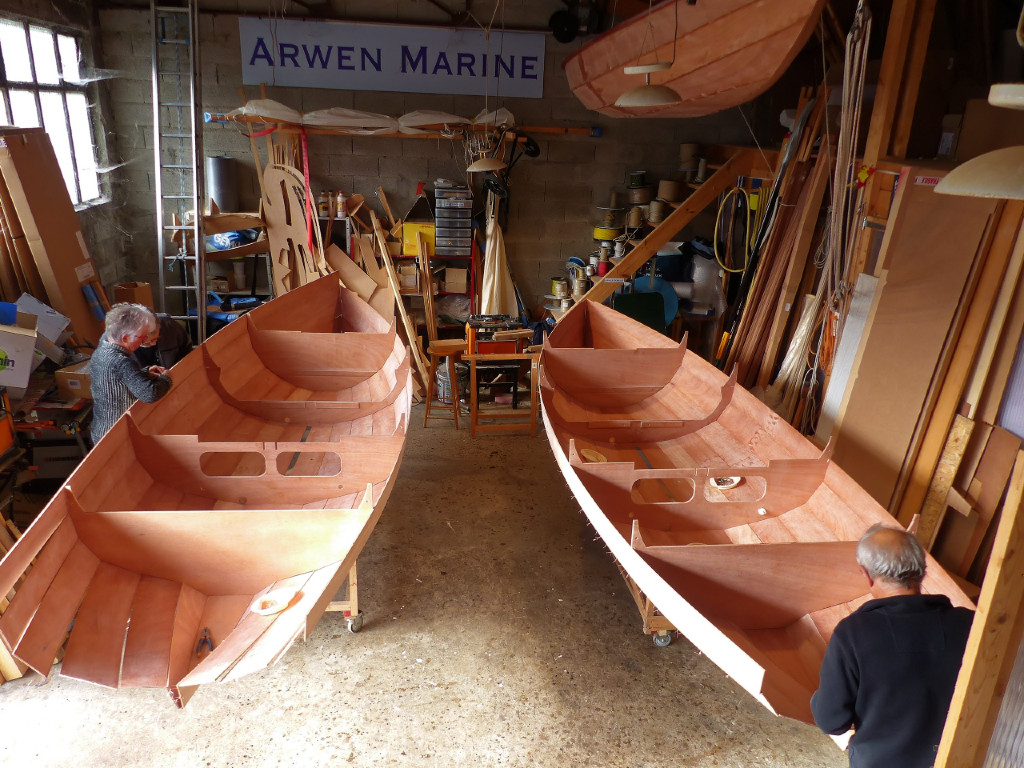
[{"x": 449, "y": 349}]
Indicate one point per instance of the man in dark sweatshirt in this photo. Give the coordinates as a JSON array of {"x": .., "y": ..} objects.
[{"x": 891, "y": 666}]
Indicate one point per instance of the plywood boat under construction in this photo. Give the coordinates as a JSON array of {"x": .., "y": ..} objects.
[
  {"x": 724, "y": 53},
  {"x": 233, "y": 509},
  {"x": 756, "y": 575}
]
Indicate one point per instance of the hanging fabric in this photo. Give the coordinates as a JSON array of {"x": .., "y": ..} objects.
[{"x": 498, "y": 294}]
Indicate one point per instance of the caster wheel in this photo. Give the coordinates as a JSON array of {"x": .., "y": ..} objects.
[
  {"x": 663, "y": 641},
  {"x": 355, "y": 623}
]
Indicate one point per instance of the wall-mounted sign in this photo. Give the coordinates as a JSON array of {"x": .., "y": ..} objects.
[{"x": 391, "y": 57}]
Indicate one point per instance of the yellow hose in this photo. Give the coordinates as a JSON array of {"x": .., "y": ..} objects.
[{"x": 718, "y": 218}]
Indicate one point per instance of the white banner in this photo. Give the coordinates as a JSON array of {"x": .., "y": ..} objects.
[{"x": 387, "y": 57}]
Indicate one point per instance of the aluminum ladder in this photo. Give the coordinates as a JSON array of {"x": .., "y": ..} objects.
[{"x": 178, "y": 177}]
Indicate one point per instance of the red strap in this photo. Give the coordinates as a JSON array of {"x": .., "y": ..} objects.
[
  {"x": 264, "y": 132},
  {"x": 309, "y": 192}
]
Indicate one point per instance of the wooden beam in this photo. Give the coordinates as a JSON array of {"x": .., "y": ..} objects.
[
  {"x": 737, "y": 164},
  {"x": 420, "y": 365},
  {"x": 993, "y": 642},
  {"x": 911, "y": 81},
  {"x": 890, "y": 79}
]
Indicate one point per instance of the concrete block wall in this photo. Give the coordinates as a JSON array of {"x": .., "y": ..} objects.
[{"x": 551, "y": 209}]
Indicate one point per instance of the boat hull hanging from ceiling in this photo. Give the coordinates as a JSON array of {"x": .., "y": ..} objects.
[{"x": 726, "y": 53}]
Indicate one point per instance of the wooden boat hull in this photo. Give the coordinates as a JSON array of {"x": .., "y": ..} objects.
[
  {"x": 727, "y": 52},
  {"x": 756, "y": 576},
  {"x": 259, "y": 476}
]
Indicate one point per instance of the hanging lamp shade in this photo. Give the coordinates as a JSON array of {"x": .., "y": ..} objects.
[
  {"x": 999, "y": 173},
  {"x": 486, "y": 164},
  {"x": 648, "y": 95}
]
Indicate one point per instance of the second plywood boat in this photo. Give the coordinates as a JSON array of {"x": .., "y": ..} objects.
[
  {"x": 230, "y": 511},
  {"x": 736, "y": 527},
  {"x": 723, "y": 53}
]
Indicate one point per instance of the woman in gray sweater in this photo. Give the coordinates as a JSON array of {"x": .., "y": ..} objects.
[{"x": 117, "y": 381}]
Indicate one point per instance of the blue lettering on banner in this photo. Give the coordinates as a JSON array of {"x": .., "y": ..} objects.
[
  {"x": 317, "y": 57},
  {"x": 368, "y": 58},
  {"x": 345, "y": 57},
  {"x": 259, "y": 51},
  {"x": 529, "y": 65},
  {"x": 289, "y": 51},
  {"x": 419, "y": 62},
  {"x": 390, "y": 57},
  {"x": 441, "y": 63}
]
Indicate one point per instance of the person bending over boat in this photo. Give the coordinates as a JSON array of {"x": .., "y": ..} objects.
[
  {"x": 891, "y": 666},
  {"x": 117, "y": 380},
  {"x": 167, "y": 346}
]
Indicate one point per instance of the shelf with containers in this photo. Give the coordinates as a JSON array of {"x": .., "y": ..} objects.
[{"x": 448, "y": 231}]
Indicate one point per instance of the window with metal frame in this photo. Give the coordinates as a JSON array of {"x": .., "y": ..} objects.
[{"x": 42, "y": 84}]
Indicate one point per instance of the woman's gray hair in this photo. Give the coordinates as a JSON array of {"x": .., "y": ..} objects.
[
  {"x": 896, "y": 557},
  {"x": 132, "y": 319}
]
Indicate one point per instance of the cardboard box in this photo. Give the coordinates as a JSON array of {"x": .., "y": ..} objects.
[
  {"x": 73, "y": 382},
  {"x": 219, "y": 284},
  {"x": 50, "y": 323},
  {"x": 134, "y": 293},
  {"x": 455, "y": 280},
  {"x": 57, "y": 461},
  {"x": 409, "y": 231},
  {"x": 409, "y": 277},
  {"x": 17, "y": 351}
]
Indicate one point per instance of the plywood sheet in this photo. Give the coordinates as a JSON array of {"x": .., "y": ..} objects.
[
  {"x": 929, "y": 254},
  {"x": 51, "y": 226}
]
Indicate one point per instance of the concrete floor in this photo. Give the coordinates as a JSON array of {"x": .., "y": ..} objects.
[{"x": 498, "y": 633}]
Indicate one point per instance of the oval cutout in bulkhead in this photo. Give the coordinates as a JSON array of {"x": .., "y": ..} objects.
[
  {"x": 653, "y": 490},
  {"x": 309, "y": 464},
  {"x": 233, "y": 464}
]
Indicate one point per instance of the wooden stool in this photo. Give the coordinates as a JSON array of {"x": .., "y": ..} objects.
[{"x": 452, "y": 349}]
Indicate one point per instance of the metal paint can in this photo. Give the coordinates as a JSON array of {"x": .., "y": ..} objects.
[
  {"x": 638, "y": 178},
  {"x": 559, "y": 287}
]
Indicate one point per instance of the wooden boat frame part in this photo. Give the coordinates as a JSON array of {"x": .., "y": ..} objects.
[
  {"x": 756, "y": 571},
  {"x": 262, "y": 473}
]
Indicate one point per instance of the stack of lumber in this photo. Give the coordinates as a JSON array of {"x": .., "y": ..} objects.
[
  {"x": 964, "y": 501},
  {"x": 10, "y": 668},
  {"x": 925, "y": 383},
  {"x": 781, "y": 265}
]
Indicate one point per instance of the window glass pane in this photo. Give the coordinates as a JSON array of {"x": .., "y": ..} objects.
[
  {"x": 3, "y": 109},
  {"x": 85, "y": 153},
  {"x": 56, "y": 129},
  {"x": 44, "y": 55},
  {"x": 68, "y": 48},
  {"x": 14, "y": 47},
  {"x": 23, "y": 108}
]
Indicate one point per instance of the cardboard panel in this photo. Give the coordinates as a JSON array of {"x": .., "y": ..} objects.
[{"x": 40, "y": 199}]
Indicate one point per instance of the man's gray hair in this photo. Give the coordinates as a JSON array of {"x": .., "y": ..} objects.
[
  {"x": 133, "y": 319},
  {"x": 897, "y": 557}
]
